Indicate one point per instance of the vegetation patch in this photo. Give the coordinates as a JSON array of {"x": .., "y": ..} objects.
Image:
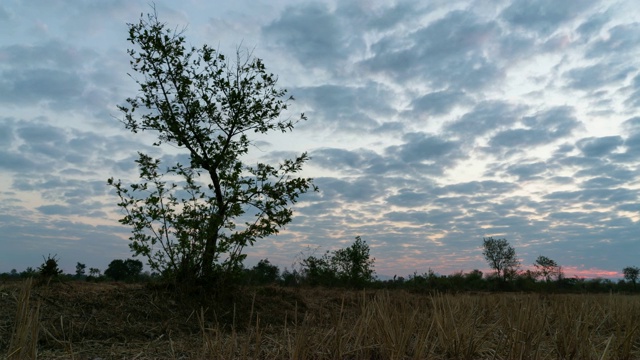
[{"x": 107, "y": 320}]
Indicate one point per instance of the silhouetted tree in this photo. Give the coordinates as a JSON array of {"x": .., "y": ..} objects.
[
  {"x": 354, "y": 265},
  {"x": 547, "y": 268},
  {"x": 124, "y": 269},
  {"x": 351, "y": 266},
  {"x": 80, "y": 269},
  {"x": 319, "y": 270},
  {"x": 49, "y": 268},
  {"x": 264, "y": 273},
  {"x": 29, "y": 272},
  {"x": 631, "y": 273},
  {"x": 501, "y": 257},
  {"x": 198, "y": 101}
]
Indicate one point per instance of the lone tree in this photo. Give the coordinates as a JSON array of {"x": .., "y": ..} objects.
[
  {"x": 49, "y": 268},
  {"x": 501, "y": 256},
  {"x": 547, "y": 268},
  {"x": 631, "y": 273},
  {"x": 124, "y": 269},
  {"x": 353, "y": 264},
  {"x": 264, "y": 273},
  {"x": 80, "y": 269},
  {"x": 195, "y": 228}
]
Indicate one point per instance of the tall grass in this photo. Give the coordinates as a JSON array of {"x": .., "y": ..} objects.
[
  {"x": 24, "y": 340},
  {"x": 327, "y": 324},
  {"x": 405, "y": 326}
]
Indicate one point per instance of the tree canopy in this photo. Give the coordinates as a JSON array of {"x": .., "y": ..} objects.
[
  {"x": 197, "y": 226},
  {"x": 501, "y": 256}
]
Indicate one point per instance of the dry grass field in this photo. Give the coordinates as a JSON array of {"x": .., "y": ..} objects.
[{"x": 79, "y": 320}]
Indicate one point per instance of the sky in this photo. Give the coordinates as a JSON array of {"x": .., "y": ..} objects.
[{"x": 431, "y": 125}]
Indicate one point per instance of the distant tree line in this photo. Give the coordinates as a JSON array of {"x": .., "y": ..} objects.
[
  {"x": 353, "y": 267},
  {"x": 118, "y": 270}
]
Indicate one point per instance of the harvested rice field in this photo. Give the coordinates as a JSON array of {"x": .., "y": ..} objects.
[{"x": 81, "y": 320}]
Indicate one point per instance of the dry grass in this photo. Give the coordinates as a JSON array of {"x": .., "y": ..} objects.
[
  {"x": 112, "y": 321},
  {"x": 24, "y": 340}
]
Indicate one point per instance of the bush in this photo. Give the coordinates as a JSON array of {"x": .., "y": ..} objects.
[
  {"x": 49, "y": 268},
  {"x": 120, "y": 270}
]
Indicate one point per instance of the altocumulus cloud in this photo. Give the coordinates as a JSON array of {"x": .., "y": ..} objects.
[{"x": 431, "y": 125}]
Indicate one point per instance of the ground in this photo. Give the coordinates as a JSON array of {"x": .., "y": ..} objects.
[{"x": 82, "y": 320}]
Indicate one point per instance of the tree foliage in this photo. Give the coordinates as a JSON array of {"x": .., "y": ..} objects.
[
  {"x": 94, "y": 272},
  {"x": 351, "y": 266},
  {"x": 319, "y": 270},
  {"x": 547, "y": 268},
  {"x": 501, "y": 257},
  {"x": 631, "y": 274},
  {"x": 198, "y": 101},
  {"x": 264, "y": 273},
  {"x": 80, "y": 269},
  {"x": 120, "y": 270},
  {"x": 49, "y": 268}
]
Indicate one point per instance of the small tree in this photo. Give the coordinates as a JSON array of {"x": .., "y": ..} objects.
[
  {"x": 80, "y": 269},
  {"x": 547, "y": 268},
  {"x": 95, "y": 272},
  {"x": 198, "y": 101},
  {"x": 501, "y": 257},
  {"x": 353, "y": 264},
  {"x": 319, "y": 270},
  {"x": 49, "y": 268},
  {"x": 124, "y": 269},
  {"x": 264, "y": 273},
  {"x": 29, "y": 272},
  {"x": 631, "y": 273}
]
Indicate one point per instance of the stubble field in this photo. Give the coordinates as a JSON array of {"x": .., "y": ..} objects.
[{"x": 79, "y": 320}]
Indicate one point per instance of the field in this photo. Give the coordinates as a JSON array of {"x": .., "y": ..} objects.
[{"x": 80, "y": 320}]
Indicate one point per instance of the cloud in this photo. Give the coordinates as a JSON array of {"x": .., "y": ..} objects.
[
  {"x": 596, "y": 76},
  {"x": 313, "y": 35},
  {"x": 542, "y": 128},
  {"x": 528, "y": 171},
  {"x": 38, "y": 85},
  {"x": 350, "y": 108},
  {"x": 4, "y": 14},
  {"x": 56, "y": 210},
  {"x": 594, "y": 24},
  {"x": 544, "y": 16},
  {"x": 599, "y": 146},
  {"x": 53, "y": 54},
  {"x": 427, "y": 153},
  {"x": 7, "y": 136},
  {"x": 633, "y": 100},
  {"x": 354, "y": 190},
  {"x": 345, "y": 160},
  {"x": 436, "y": 103},
  {"x": 597, "y": 168},
  {"x": 16, "y": 162},
  {"x": 389, "y": 17},
  {"x": 486, "y": 187},
  {"x": 485, "y": 117},
  {"x": 621, "y": 40},
  {"x": 601, "y": 182},
  {"x": 603, "y": 197},
  {"x": 409, "y": 198},
  {"x": 633, "y": 125},
  {"x": 447, "y": 53},
  {"x": 445, "y": 122}
]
